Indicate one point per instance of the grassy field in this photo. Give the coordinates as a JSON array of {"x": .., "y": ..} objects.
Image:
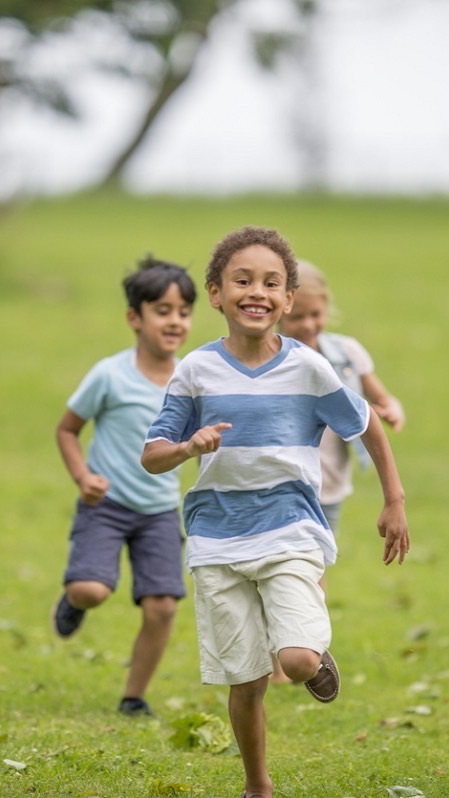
[{"x": 61, "y": 264}]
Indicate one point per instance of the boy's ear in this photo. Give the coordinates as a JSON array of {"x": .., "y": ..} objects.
[
  {"x": 134, "y": 320},
  {"x": 214, "y": 295},
  {"x": 289, "y": 300}
]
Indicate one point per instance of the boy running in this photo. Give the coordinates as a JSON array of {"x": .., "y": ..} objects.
[
  {"x": 119, "y": 503},
  {"x": 254, "y": 406}
]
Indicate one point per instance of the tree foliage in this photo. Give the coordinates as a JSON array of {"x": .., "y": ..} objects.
[{"x": 170, "y": 32}]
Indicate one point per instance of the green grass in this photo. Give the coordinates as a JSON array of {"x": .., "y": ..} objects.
[{"x": 61, "y": 263}]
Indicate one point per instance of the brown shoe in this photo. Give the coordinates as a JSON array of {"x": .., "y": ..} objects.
[{"x": 325, "y": 686}]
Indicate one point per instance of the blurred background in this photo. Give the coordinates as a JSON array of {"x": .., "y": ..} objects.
[{"x": 215, "y": 97}]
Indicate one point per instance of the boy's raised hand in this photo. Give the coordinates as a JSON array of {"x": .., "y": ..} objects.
[
  {"x": 206, "y": 439},
  {"x": 392, "y": 526}
]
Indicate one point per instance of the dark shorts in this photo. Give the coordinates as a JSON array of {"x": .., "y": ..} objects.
[{"x": 154, "y": 545}]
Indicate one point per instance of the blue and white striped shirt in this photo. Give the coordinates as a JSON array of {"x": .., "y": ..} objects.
[{"x": 257, "y": 495}]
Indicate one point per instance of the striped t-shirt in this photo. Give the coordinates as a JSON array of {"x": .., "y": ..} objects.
[{"x": 257, "y": 495}]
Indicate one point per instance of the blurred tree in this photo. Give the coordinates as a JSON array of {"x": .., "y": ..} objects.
[
  {"x": 171, "y": 33},
  {"x": 295, "y": 53}
]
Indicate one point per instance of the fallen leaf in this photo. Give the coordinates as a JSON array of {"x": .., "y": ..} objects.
[
  {"x": 395, "y": 723},
  {"x": 419, "y": 632},
  {"x": 199, "y": 729},
  {"x": 420, "y": 709},
  {"x": 418, "y": 687},
  {"x": 16, "y": 765},
  {"x": 426, "y": 689},
  {"x": 176, "y": 703}
]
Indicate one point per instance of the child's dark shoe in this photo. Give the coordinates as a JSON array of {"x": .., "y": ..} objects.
[
  {"x": 66, "y": 619},
  {"x": 134, "y": 706},
  {"x": 325, "y": 686}
]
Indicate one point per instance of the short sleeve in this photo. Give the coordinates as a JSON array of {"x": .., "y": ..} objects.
[
  {"x": 359, "y": 356},
  {"x": 177, "y": 420},
  {"x": 89, "y": 398}
]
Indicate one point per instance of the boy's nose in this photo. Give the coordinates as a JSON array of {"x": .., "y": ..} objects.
[
  {"x": 174, "y": 319},
  {"x": 258, "y": 290}
]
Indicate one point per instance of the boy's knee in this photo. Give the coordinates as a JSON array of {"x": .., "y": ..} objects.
[
  {"x": 158, "y": 609},
  {"x": 300, "y": 664},
  {"x": 248, "y": 692},
  {"x": 85, "y": 595}
]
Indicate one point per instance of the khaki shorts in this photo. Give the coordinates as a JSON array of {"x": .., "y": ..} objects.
[{"x": 247, "y": 610}]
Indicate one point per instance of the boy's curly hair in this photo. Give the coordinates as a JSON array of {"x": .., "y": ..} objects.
[{"x": 247, "y": 237}]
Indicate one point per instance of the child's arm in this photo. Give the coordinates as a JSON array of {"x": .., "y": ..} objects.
[
  {"x": 162, "y": 455},
  {"x": 92, "y": 486},
  {"x": 392, "y": 523},
  {"x": 388, "y": 407}
]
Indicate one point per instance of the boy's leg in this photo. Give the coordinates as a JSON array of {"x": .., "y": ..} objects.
[
  {"x": 87, "y": 595},
  {"x": 247, "y": 714},
  {"x": 278, "y": 676},
  {"x": 300, "y": 664},
  {"x": 158, "y": 614},
  {"x": 234, "y": 650},
  {"x": 70, "y": 609},
  {"x": 298, "y": 620},
  {"x": 155, "y": 552},
  {"x": 96, "y": 539}
]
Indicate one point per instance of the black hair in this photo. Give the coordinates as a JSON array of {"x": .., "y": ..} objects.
[
  {"x": 247, "y": 237},
  {"x": 153, "y": 278}
]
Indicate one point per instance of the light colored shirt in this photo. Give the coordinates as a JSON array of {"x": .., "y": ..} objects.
[
  {"x": 122, "y": 403},
  {"x": 336, "y": 462},
  {"x": 257, "y": 495}
]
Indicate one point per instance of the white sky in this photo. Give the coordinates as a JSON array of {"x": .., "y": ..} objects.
[{"x": 382, "y": 100}]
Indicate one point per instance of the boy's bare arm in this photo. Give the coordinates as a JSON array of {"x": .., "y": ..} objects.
[
  {"x": 392, "y": 523},
  {"x": 92, "y": 487},
  {"x": 162, "y": 455},
  {"x": 387, "y": 406}
]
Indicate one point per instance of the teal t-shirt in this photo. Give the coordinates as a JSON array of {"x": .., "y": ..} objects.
[{"x": 123, "y": 403}]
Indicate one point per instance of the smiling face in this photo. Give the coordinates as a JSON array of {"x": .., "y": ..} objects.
[
  {"x": 253, "y": 291},
  {"x": 307, "y": 318},
  {"x": 162, "y": 326}
]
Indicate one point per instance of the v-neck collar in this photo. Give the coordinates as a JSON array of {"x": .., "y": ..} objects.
[{"x": 257, "y": 372}]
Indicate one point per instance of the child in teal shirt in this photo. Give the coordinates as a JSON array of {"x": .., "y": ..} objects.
[{"x": 120, "y": 504}]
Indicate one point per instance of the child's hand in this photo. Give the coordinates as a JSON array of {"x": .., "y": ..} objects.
[
  {"x": 392, "y": 412},
  {"x": 206, "y": 439},
  {"x": 392, "y": 526},
  {"x": 92, "y": 487}
]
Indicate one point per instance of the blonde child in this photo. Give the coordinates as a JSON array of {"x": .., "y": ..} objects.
[
  {"x": 307, "y": 322},
  {"x": 253, "y": 406}
]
